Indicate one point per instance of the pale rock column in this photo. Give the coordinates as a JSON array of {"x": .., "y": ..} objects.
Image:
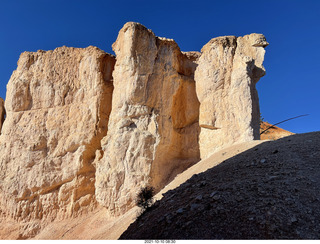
[
  {"x": 226, "y": 76},
  {"x": 58, "y": 104},
  {"x": 153, "y": 127}
]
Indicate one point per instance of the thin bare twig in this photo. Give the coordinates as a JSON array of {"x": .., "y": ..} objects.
[{"x": 282, "y": 122}]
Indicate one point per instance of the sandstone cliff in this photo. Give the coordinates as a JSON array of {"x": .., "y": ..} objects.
[
  {"x": 84, "y": 128},
  {"x": 58, "y": 104},
  {"x": 228, "y": 70},
  {"x": 153, "y": 128}
]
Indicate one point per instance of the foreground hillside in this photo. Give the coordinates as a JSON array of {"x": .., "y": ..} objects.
[{"x": 268, "y": 192}]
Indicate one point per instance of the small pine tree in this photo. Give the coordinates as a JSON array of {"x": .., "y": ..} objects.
[{"x": 145, "y": 197}]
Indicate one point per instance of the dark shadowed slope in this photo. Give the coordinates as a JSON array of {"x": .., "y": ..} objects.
[{"x": 271, "y": 191}]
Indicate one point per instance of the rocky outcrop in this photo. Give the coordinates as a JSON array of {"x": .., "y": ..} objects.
[
  {"x": 58, "y": 105},
  {"x": 85, "y": 129},
  {"x": 227, "y": 72},
  {"x": 153, "y": 127},
  {"x": 272, "y": 132},
  {"x": 2, "y": 113}
]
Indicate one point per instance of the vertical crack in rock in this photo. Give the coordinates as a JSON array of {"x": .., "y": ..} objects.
[
  {"x": 58, "y": 105},
  {"x": 153, "y": 127},
  {"x": 227, "y": 72},
  {"x": 2, "y": 113}
]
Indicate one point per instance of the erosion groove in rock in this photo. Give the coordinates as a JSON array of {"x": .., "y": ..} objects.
[
  {"x": 227, "y": 72},
  {"x": 153, "y": 128},
  {"x": 2, "y": 113},
  {"x": 58, "y": 105}
]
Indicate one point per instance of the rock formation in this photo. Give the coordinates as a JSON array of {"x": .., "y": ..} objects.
[
  {"x": 153, "y": 127},
  {"x": 273, "y": 132},
  {"x": 2, "y": 113},
  {"x": 58, "y": 105},
  {"x": 228, "y": 70},
  {"x": 84, "y": 129}
]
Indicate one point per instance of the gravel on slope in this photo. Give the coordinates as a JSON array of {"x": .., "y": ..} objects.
[{"x": 268, "y": 192}]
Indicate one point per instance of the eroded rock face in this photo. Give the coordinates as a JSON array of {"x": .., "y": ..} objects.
[
  {"x": 228, "y": 70},
  {"x": 61, "y": 155},
  {"x": 58, "y": 105},
  {"x": 153, "y": 127},
  {"x": 2, "y": 113}
]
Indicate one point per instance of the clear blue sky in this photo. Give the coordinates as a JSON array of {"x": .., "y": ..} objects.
[{"x": 291, "y": 86}]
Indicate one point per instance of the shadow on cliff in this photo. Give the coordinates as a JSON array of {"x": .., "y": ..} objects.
[{"x": 270, "y": 191}]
